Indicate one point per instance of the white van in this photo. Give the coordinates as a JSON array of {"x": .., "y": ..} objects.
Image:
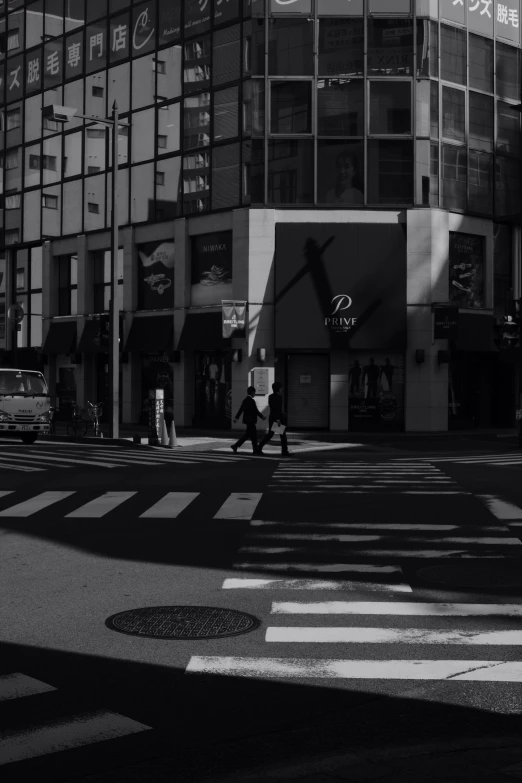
[{"x": 24, "y": 403}]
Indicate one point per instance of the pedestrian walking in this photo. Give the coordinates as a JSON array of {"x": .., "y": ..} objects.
[
  {"x": 277, "y": 415},
  {"x": 251, "y": 414}
]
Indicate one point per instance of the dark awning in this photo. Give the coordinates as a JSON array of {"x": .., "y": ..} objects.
[
  {"x": 92, "y": 339},
  {"x": 203, "y": 331},
  {"x": 151, "y": 334},
  {"x": 61, "y": 337},
  {"x": 475, "y": 333}
]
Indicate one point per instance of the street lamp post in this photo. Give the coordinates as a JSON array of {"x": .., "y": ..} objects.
[{"x": 65, "y": 114}]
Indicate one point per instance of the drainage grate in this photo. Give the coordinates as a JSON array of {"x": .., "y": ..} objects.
[
  {"x": 471, "y": 576},
  {"x": 182, "y": 622}
]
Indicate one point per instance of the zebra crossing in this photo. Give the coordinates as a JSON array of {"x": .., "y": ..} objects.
[
  {"x": 50, "y": 735},
  {"x": 379, "y": 607},
  {"x": 507, "y": 458},
  {"x": 413, "y": 477},
  {"x": 237, "y": 506},
  {"x": 45, "y": 456}
]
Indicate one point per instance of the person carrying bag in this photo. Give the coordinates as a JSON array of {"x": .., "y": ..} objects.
[{"x": 277, "y": 417}]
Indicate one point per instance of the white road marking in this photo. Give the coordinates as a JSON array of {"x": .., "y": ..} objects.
[
  {"x": 40, "y": 460},
  {"x": 397, "y": 608},
  {"x": 385, "y": 552},
  {"x": 480, "y": 541},
  {"x": 327, "y": 568},
  {"x": 391, "y": 636},
  {"x": 400, "y": 526},
  {"x": 347, "y": 488},
  {"x": 170, "y": 506},
  {"x": 23, "y": 468},
  {"x": 306, "y": 668},
  {"x": 312, "y": 584},
  {"x": 239, "y": 505},
  {"x": 101, "y": 505},
  {"x": 138, "y": 460},
  {"x": 5, "y": 492},
  {"x": 501, "y": 509},
  {"x": 15, "y": 686},
  {"x": 50, "y": 458},
  {"x": 63, "y": 734},
  {"x": 37, "y": 503}
]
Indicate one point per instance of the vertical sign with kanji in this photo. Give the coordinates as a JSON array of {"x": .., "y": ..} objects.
[
  {"x": 119, "y": 38},
  {"x": 15, "y": 78},
  {"x": 33, "y": 71},
  {"x": 95, "y": 47},
  {"x": 507, "y": 20},
  {"x": 74, "y": 55},
  {"x": 52, "y": 63}
]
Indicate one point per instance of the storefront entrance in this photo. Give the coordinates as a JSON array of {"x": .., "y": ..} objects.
[
  {"x": 308, "y": 398},
  {"x": 156, "y": 373},
  {"x": 213, "y": 393},
  {"x": 375, "y": 392}
]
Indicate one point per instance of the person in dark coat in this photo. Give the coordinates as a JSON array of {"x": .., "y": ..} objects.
[
  {"x": 251, "y": 414},
  {"x": 277, "y": 414}
]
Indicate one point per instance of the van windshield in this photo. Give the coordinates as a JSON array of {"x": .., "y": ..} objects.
[{"x": 24, "y": 383}]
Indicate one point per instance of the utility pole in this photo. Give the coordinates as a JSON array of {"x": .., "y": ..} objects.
[{"x": 114, "y": 316}]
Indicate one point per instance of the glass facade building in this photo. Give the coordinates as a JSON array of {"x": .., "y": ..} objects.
[{"x": 245, "y": 117}]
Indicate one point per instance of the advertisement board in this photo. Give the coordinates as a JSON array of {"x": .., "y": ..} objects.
[
  {"x": 466, "y": 269},
  {"x": 211, "y": 268}
]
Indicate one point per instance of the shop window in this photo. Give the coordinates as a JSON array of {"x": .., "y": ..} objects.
[
  {"x": 481, "y": 61},
  {"x": 480, "y": 121},
  {"x": 340, "y": 173},
  {"x": 225, "y": 176},
  {"x": 340, "y": 107},
  {"x": 390, "y": 107},
  {"x": 341, "y": 47},
  {"x": 480, "y": 182},
  {"x": 390, "y": 46},
  {"x": 226, "y": 113},
  {"x": 290, "y": 47},
  {"x": 508, "y": 129},
  {"x": 290, "y": 107},
  {"x": 226, "y": 55},
  {"x": 454, "y": 179},
  {"x": 290, "y": 171},
  {"x": 508, "y": 72},
  {"x": 427, "y": 48},
  {"x": 453, "y": 54},
  {"x": 453, "y": 114},
  {"x": 390, "y": 172}
]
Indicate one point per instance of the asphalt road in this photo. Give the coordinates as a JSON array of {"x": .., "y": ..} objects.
[{"x": 354, "y": 647}]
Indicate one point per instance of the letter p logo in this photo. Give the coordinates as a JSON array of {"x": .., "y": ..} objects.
[{"x": 341, "y": 302}]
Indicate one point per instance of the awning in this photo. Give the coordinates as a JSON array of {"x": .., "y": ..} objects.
[
  {"x": 203, "y": 331},
  {"x": 61, "y": 337},
  {"x": 151, "y": 334},
  {"x": 92, "y": 339},
  {"x": 475, "y": 333}
]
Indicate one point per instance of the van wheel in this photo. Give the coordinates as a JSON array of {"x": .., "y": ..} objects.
[{"x": 29, "y": 437}]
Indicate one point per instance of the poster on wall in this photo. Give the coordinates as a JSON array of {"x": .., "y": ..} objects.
[
  {"x": 376, "y": 391},
  {"x": 340, "y": 174},
  {"x": 466, "y": 270},
  {"x": 156, "y": 276},
  {"x": 211, "y": 273}
]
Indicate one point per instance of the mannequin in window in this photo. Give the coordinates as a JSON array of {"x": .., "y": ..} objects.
[{"x": 348, "y": 186}]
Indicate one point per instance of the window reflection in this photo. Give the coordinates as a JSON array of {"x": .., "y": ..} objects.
[
  {"x": 454, "y": 166},
  {"x": 196, "y": 72},
  {"x": 225, "y": 176},
  {"x": 508, "y": 129},
  {"x": 340, "y": 172},
  {"x": 290, "y": 47},
  {"x": 142, "y": 193},
  {"x": 52, "y": 160},
  {"x": 96, "y": 140},
  {"x": 196, "y": 170},
  {"x": 290, "y": 107},
  {"x": 226, "y": 113},
  {"x": 290, "y": 171},
  {"x": 427, "y": 48},
  {"x": 390, "y": 46},
  {"x": 72, "y": 213},
  {"x": 54, "y": 20},
  {"x": 143, "y": 135},
  {"x": 168, "y": 194},
  {"x": 480, "y": 63},
  {"x": 453, "y": 54},
  {"x": 196, "y": 121},
  {"x": 94, "y": 203},
  {"x": 143, "y": 81},
  {"x": 390, "y": 172},
  {"x": 480, "y": 179},
  {"x": 453, "y": 114},
  {"x": 74, "y": 14},
  {"x": 507, "y": 188},
  {"x": 480, "y": 121},
  {"x": 32, "y": 165},
  {"x": 508, "y": 71},
  {"x": 226, "y": 55},
  {"x": 119, "y": 87},
  {"x": 168, "y": 137},
  {"x": 168, "y": 73},
  {"x": 96, "y": 95},
  {"x": 340, "y": 107},
  {"x": 341, "y": 47},
  {"x": 73, "y": 96},
  {"x": 51, "y": 210}
]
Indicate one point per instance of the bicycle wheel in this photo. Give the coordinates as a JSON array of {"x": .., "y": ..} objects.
[{"x": 81, "y": 427}]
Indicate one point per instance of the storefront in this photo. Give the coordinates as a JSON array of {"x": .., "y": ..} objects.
[
  {"x": 340, "y": 324},
  {"x": 151, "y": 338}
]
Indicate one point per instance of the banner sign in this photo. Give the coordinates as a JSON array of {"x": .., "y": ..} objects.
[
  {"x": 234, "y": 318},
  {"x": 446, "y": 322},
  {"x": 156, "y": 276},
  {"x": 466, "y": 270}
]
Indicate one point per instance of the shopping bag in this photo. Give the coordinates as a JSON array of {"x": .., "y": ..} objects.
[{"x": 278, "y": 429}]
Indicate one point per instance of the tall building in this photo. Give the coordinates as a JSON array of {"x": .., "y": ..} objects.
[{"x": 347, "y": 172}]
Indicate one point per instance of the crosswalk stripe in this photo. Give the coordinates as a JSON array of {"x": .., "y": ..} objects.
[
  {"x": 77, "y": 731},
  {"x": 129, "y": 460},
  {"x": 17, "y": 685},
  {"x": 312, "y": 584},
  {"x": 22, "y": 468},
  {"x": 338, "y": 635},
  {"x": 40, "y": 459},
  {"x": 397, "y": 608},
  {"x": 398, "y": 526},
  {"x": 170, "y": 506},
  {"x": 326, "y": 568},
  {"x": 34, "y": 504},
  {"x": 389, "y": 553},
  {"x": 470, "y": 671},
  {"x": 366, "y": 490},
  {"x": 239, "y": 505},
  {"x": 100, "y": 464},
  {"x": 501, "y": 509},
  {"x": 5, "y": 492},
  {"x": 102, "y": 505},
  {"x": 341, "y": 538}
]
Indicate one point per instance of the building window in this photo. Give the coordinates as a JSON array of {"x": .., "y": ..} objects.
[
  {"x": 162, "y": 141},
  {"x": 95, "y": 133},
  {"x": 34, "y": 162},
  {"x": 12, "y": 237},
  {"x": 508, "y": 72},
  {"x": 49, "y": 202},
  {"x": 390, "y": 46},
  {"x": 508, "y": 129},
  {"x": 13, "y": 40},
  {"x": 453, "y": 54},
  {"x": 13, "y": 119},
  {"x": 290, "y": 107},
  {"x": 97, "y": 92},
  {"x": 480, "y": 178},
  {"x": 480, "y": 121},
  {"x": 341, "y": 47},
  {"x": 290, "y": 171},
  {"x": 49, "y": 124},
  {"x": 340, "y": 107},
  {"x": 12, "y": 200},
  {"x": 480, "y": 63},
  {"x": 160, "y": 177},
  {"x": 453, "y": 114},
  {"x": 67, "y": 284},
  {"x": 390, "y": 172},
  {"x": 454, "y": 167},
  {"x": 49, "y": 162},
  {"x": 93, "y": 207},
  {"x": 390, "y": 107},
  {"x": 160, "y": 66},
  {"x": 290, "y": 47}
]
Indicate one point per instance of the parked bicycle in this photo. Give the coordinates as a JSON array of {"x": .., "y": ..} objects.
[{"x": 95, "y": 414}]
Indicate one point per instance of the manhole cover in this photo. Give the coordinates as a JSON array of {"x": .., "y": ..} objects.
[
  {"x": 471, "y": 576},
  {"x": 182, "y": 622}
]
